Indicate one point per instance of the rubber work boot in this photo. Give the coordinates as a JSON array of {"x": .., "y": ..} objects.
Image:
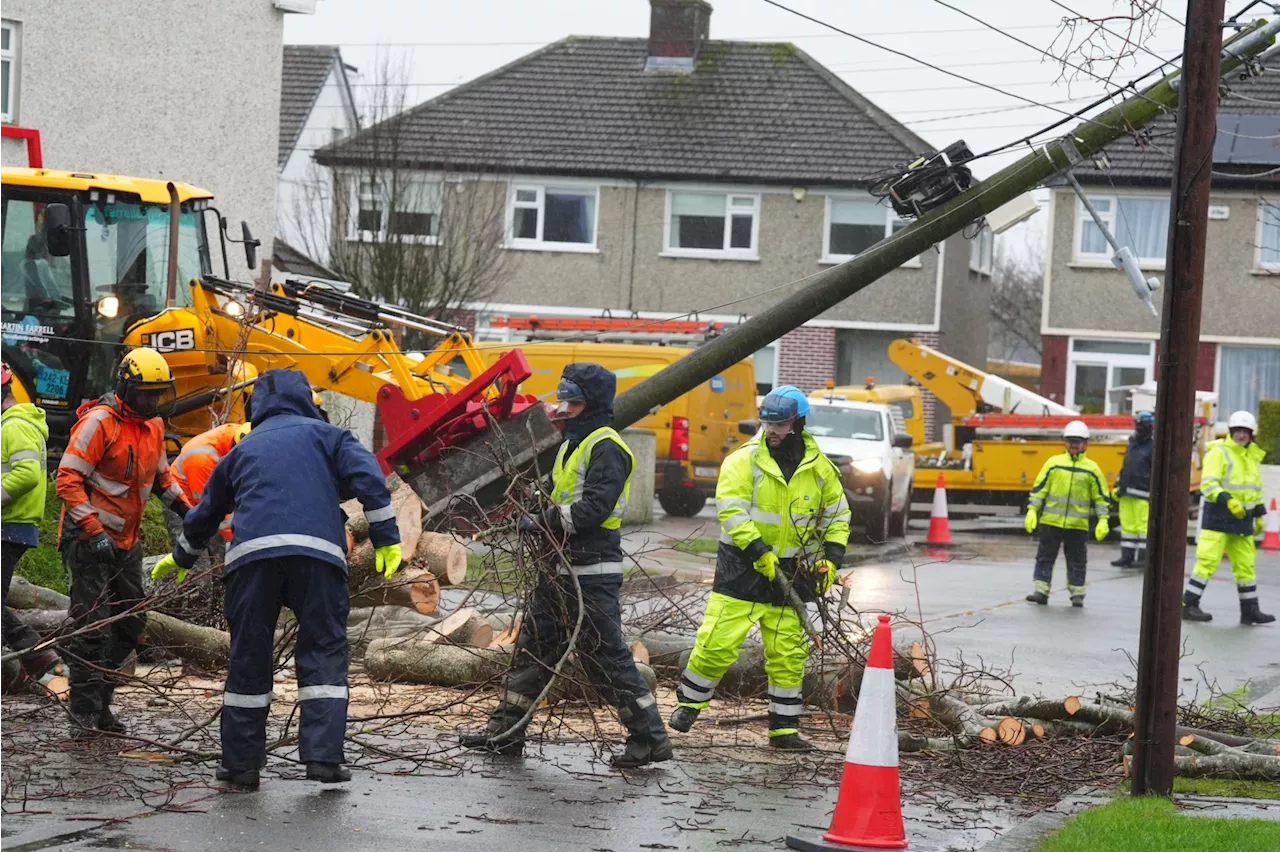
[
  {"x": 683, "y": 718},
  {"x": 1191, "y": 610},
  {"x": 1077, "y": 601},
  {"x": 1251, "y": 613},
  {"x": 1125, "y": 560},
  {"x": 84, "y": 727},
  {"x": 328, "y": 773},
  {"x": 109, "y": 723},
  {"x": 245, "y": 780},
  {"x": 647, "y": 741},
  {"x": 1038, "y": 598},
  {"x": 790, "y": 742},
  {"x": 511, "y": 746}
]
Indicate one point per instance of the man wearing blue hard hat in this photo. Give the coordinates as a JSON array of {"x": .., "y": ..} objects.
[
  {"x": 782, "y": 508},
  {"x": 1133, "y": 491}
]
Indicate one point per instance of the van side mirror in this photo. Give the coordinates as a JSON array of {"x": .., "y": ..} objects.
[
  {"x": 250, "y": 246},
  {"x": 748, "y": 427},
  {"x": 903, "y": 440},
  {"x": 57, "y": 229}
]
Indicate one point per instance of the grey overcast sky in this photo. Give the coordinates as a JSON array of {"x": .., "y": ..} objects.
[{"x": 442, "y": 43}]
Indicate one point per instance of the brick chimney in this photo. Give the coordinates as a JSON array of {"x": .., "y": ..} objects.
[{"x": 677, "y": 30}]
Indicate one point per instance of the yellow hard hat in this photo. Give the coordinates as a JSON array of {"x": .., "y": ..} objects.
[
  {"x": 243, "y": 430},
  {"x": 243, "y": 371},
  {"x": 146, "y": 369},
  {"x": 316, "y": 398}
]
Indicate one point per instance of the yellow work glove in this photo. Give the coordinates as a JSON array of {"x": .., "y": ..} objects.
[
  {"x": 767, "y": 565},
  {"x": 387, "y": 560},
  {"x": 1235, "y": 507},
  {"x": 1259, "y": 525},
  {"x": 1032, "y": 521},
  {"x": 826, "y": 574},
  {"x": 1102, "y": 530},
  {"x": 166, "y": 566}
]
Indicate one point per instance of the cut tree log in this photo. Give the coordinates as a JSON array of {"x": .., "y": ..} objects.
[
  {"x": 45, "y": 621},
  {"x": 365, "y": 624},
  {"x": 573, "y": 685},
  {"x": 410, "y": 586},
  {"x": 23, "y": 594},
  {"x": 417, "y": 661},
  {"x": 464, "y": 627},
  {"x": 444, "y": 557},
  {"x": 358, "y": 526},
  {"x": 665, "y": 649},
  {"x": 640, "y": 653},
  {"x": 1010, "y": 731},
  {"x": 206, "y": 646},
  {"x": 509, "y": 636}
]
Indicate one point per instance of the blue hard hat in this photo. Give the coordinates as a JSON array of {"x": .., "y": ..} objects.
[
  {"x": 1144, "y": 417},
  {"x": 784, "y": 403}
]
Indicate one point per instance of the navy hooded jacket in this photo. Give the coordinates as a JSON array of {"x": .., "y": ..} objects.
[{"x": 284, "y": 482}]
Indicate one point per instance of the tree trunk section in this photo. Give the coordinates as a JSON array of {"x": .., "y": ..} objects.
[
  {"x": 423, "y": 662},
  {"x": 444, "y": 557}
]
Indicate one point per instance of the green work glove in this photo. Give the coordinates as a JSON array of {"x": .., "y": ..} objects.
[
  {"x": 1235, "y": 507},
  {"x": 826, "y": 575},
  {"x": 767, "y": 565},
  {"x": 387, "y": 560},
  {"x": 1032, "y": 521},
  {"x": 1102, "y": 530},
  {"x": 166, "y": 566}
]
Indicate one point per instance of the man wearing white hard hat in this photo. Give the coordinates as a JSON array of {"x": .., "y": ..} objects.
[
  {"x": 1231, "y": 484},
  {"x": 1069, "y": 486}
]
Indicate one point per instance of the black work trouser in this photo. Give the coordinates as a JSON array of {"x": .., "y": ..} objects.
[
  {"x": 17, "y": 635},
  {"x": 606, "y": 660},
  {"x": 101, "y": 590},
  {"x": 1072, "y": 543},
  {"x": 317, "y": 593}
]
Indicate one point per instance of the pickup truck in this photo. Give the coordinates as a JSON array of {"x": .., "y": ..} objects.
[{"x": 870, "y": 445}]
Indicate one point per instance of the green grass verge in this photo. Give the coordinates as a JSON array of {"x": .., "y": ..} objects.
[
  {"x": 697, "y": 545},
  {"x": 492, "y": 572},
  {"x": 1230, "y": 787},
  {"x": 1152, "y": 825},
  {"x": 43, "y": 565}
]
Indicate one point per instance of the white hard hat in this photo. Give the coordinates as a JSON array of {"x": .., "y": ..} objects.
[
  {"x": 1076, "y": 429},
  {"x": 1242, "y": 420}
]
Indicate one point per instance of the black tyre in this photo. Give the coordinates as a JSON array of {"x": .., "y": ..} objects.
[
  {"x": 877, "y": 529},
  {"x": 682, "y": 504},
  {"x": 898, "y": 524}
]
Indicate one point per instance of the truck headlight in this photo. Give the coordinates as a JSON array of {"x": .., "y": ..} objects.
[{"x": 867, "y": 465}]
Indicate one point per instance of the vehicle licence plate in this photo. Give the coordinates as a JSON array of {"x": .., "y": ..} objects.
[{"x": 706, "y": 471}]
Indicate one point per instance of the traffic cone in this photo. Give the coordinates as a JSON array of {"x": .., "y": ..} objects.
[
  {"x": 1271, "y": 536},
  {"x": 939, "y": 524},
  {"x": 868, "y": 811}
]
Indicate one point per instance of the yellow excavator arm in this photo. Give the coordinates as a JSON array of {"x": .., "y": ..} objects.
[{"x": 966, "y": 390}]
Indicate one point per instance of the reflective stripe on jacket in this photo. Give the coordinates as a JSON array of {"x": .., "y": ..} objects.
[
  {"x": 112, "y": 462},
  {"x": 1066, "y": 489},
  {"x": 806, "y": 517},
  {"x": 22, "y": 463},
  {"x": 570, "y": 475},
  {"x": 193, "y": 466},
  {"x": 1231, "y": 470}
]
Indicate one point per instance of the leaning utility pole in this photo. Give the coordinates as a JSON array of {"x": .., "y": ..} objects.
[
  {"x": 1156, "y": 717},
  {"x": 839, "y": 283}
]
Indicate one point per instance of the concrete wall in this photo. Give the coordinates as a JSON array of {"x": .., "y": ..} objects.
[
  {"x": 1239, "y": 300},
  {"x": 154, "y": 88},
  {"x": 643, "y": 444},
  {"x": 304, "y": 195}
]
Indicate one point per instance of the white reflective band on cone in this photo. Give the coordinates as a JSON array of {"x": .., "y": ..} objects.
[{"x": 874, "y": 738}]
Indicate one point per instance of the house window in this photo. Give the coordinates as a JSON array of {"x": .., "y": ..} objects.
[
  {"x": 9, "y": 70},
  {"x": 1140, "y": 222},
  {"x": 855, "y": 224},
  {"x": 703, "y": 224},
  {"x": 1096, "y": 367},
  {"x": 560, "y": 218},
  {"x": 403, "y": 206},
  {"x": 982, "y": 252},
  {"x": 1268, "y": 235},
  {"x": 1247, "y": 375},
  {"x": 765, "y": 362}
]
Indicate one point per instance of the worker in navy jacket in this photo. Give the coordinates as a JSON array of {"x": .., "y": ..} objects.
[{"x": 283, "y": 482}]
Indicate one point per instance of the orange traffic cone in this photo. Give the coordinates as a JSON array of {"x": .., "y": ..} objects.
[
  {"x": 939, "y": 524},
  {"x": 868, "y": 811},
  {"x": 1271, "y": 537}
]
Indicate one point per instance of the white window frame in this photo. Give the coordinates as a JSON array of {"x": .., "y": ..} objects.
[
  {"x": 982, "y": 251},
  {"x": 538, "y": 243},
  {"x": 1083, "y": 258},
  {"x": 1258, "y": 263},
  {"x": 726, "y": 253},
  {"x": 355, "y": 233},
  {"x": 13, "y": 56},
  {"x": 891, "y": 219},
  {"x": 1111, "y": 361}
]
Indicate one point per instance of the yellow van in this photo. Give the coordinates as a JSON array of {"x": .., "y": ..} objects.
[{"x": 694, "y": 432}]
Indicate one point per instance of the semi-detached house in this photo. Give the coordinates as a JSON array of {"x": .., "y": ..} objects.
[
  {"x": 675, "y": 174},
  {"x": 1097, "y": 335}
]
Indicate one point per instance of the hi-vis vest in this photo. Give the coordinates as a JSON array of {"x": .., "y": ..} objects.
[{"x": 569, "y": 474}]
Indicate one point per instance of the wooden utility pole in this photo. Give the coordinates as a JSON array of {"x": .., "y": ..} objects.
[
  {"x": 1084, "y": 140},
  {"x": 1158, "y": 650}
]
